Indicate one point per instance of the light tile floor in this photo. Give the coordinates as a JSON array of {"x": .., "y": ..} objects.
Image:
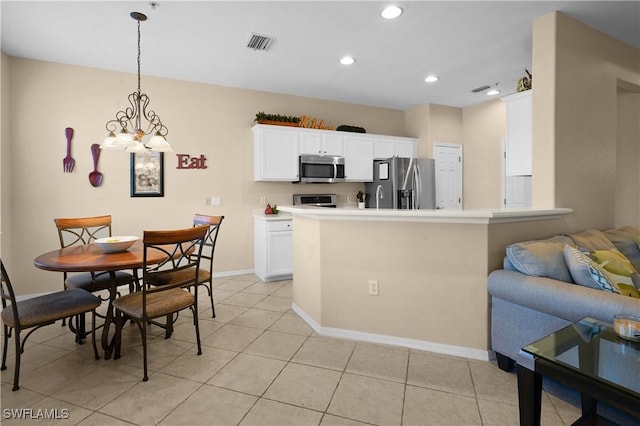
[{"x": 261, "y": 365}]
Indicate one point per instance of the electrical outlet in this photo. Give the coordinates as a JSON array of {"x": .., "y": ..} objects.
[
  {"x": 373, "y": 287},
  {"x": 349, "y": 199},
  {"x": 263, "y": 200}
]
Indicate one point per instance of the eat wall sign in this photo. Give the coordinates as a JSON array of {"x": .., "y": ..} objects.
[{"x": 185, "y": 161}]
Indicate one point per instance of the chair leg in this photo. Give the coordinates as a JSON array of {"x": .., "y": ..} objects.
[
  {"x": 213, "y": 310},
  {"x": 5, "y": 342},
  {"x": 16, "y": 369},
  {"x": 144, "y": 350},
  {"x": 197, "y": 325},
  {"x": 93, "y": 334},
  {"x": 169, "y": 329},
  {"x": 117, "y": 338}
]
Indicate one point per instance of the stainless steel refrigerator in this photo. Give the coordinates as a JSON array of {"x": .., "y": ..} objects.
[{"x": 402, "y": 183}]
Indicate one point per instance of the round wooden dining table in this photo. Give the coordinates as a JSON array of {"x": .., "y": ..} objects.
[{"x": 91, "y": 258}]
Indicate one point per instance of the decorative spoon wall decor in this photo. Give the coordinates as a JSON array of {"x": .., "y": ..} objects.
[
  {"x": 68, "y": 162},
  {"x": 95, "y": 177}
]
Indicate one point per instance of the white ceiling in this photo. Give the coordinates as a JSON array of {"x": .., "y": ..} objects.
[{"x": 468, "y": 44}]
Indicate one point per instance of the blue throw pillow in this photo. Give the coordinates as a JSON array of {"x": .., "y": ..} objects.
[{"x": 541, "y": 258}]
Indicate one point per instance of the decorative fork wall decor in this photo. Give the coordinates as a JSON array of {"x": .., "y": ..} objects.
[{"x": 68, "y": 162}]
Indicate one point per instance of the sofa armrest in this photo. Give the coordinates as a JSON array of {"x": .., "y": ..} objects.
[{"x": 564, "y": 300}]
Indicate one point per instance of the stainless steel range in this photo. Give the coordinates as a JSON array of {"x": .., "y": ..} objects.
[{"x": 318, "y": 200}]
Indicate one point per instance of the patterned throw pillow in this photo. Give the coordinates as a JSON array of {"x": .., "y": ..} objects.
[{"x": 585, "y": 271}]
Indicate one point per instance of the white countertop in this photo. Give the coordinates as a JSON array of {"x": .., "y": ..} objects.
[
  {"x": 443, "y": 215},
  {"x": 259, "y": 213}
]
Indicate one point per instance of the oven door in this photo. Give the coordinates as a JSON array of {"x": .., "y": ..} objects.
[{"x": 321, "y": 169}]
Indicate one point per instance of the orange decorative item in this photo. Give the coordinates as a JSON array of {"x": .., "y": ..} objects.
[{"x": 268, "y": 210}]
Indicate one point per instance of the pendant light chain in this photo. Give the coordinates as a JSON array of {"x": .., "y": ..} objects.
[{"x": 138, "y": 56}]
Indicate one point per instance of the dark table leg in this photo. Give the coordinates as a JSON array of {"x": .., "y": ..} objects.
[
  {"x": 589, "y": 405},
  {"x": 106, "y": 345},
  {"x": 529, "y": 396}
]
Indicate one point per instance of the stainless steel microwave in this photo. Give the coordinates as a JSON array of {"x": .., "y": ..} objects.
[{"x": 321, "y": 169}]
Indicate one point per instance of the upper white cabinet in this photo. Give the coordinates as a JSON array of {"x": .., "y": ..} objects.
[
  {"x": 275, "y": 153},
  {"x": 518, "y": 146},
  {"x": 277, "y": 149},
  {"x": 358, "y": 158},
  {"x": 387, "y": 147},
  {"x": 321, "y": 143}
]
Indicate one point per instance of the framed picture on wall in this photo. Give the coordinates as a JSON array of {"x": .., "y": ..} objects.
[{"x": 147, "y": 174}]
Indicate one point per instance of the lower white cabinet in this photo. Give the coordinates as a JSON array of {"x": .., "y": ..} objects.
[{"x": 273, "y": 247}]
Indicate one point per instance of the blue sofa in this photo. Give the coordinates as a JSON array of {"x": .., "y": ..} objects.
[{"x": 535, "y": 294}]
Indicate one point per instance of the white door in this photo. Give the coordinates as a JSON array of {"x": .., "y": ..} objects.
[
  {"x": 516, "y": 190},
  {"x": 448, "y": 159}
]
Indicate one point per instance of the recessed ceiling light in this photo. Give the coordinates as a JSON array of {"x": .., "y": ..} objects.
[
  {"x": 431, "y": 78},
  {"x": 347, "y": 60},
  {"x": 391, "y": 12},
  {"x": 493, "y": 92}
]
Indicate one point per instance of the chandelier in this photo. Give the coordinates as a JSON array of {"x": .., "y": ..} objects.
[{"x": 130, "y": 121}]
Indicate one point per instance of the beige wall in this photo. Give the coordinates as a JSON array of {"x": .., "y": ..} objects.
[
  {"x": 44, "y": 98},
  {"x": 627, "y": 208},
  {"x": 484, "y": 127},
  {"x": 5, "y": 161},
  {"x": 576, "y": 73},
  {"x": 432, "y": 278}
]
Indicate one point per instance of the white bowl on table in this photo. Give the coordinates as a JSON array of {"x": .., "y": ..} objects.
[{"x": 115, "y": 244}]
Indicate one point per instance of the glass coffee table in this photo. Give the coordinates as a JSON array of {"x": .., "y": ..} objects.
[{"x": 589, "y": 357}]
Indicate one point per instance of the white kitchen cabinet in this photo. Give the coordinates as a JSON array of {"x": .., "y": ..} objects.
[
  {"x": 387, "y": 147},
  {"x": 321, "y": 143},
  {"x": 406, "y": 147},
  {"x": 275, "y": 153},
  {"x": 384, "y": 148},
  {"x": 519, "y": 136},
  {"x": 358, "y": 158},
  {"x": 273, "y": 246},
  {"x": 277, "y": 150}
]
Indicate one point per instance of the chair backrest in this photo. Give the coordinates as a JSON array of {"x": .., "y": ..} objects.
[
  {"x": 8, "y": 294},
  {"x": 209, "y": 247},
  {"x": 183, "y": 248},
  {"x": 82, "y": 230}
]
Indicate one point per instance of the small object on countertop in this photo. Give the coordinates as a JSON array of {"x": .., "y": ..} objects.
[
  {"x": 361, "y": 196},
  {"x": 271, "y": 209},
  {"x": 68, "y": 162},
  {"x": 95, "y": 177}
]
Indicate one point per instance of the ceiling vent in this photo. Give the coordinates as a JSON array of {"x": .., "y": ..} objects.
[
  {"x": 260, "y": 42},
  {"x": 480, "y": 89}
]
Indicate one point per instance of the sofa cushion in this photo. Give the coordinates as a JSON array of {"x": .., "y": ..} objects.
[
  {"x": 592, "y": 240},
  {"x": 541, "y": 258},
  {"x": 585, "y": 271},
  {"x": 624, "y": 240}
]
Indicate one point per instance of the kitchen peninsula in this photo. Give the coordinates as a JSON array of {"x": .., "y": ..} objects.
[{"x": 428, "y": 267}]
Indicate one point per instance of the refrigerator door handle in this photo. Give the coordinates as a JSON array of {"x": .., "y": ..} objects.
[{"x": 417, "y": 176}]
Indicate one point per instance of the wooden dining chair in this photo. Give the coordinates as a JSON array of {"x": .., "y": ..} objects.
[
  {"x": 38, "y": 312},
  {"x": 85, "y": 230},
  {"x": 165, "y": 285},
  {"x": 205, "y": 276}
]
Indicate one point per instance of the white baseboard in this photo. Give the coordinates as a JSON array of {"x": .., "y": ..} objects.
[
  {"x": 422, "y": 345},
  {"x": 232, "y": 273}
]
